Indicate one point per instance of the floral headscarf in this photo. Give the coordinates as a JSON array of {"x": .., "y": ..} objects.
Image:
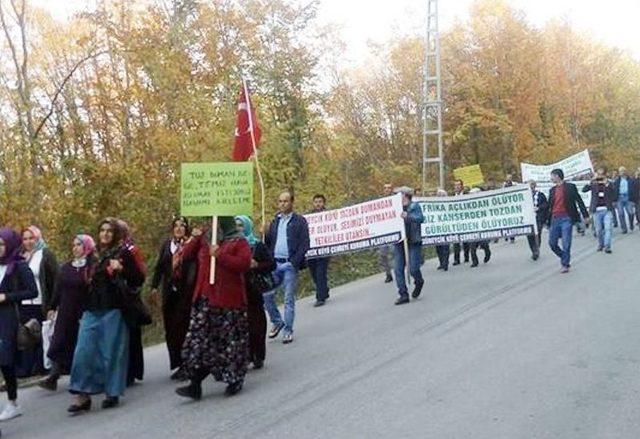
[
  {"x": 88, "y": 244},
  {"x": 39, "y": 245}
]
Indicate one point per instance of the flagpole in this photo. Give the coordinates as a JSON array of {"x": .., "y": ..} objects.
[{"x": 255, "y": 152}]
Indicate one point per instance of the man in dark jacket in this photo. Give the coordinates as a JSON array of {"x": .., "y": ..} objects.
[
  {"x": 627, "y": 191},
  {"x": 603, "y": 195},
  {"x": 413, "y": 219},
  {"x": 458, "y": 191},
  {"x": 564, "y": 202},
  {"x": 288, "y": 240},
  {"x": 318, "y": 267},
  {"x": 540, "y": 206}
]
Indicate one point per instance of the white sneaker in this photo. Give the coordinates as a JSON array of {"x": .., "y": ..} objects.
[{"x": 10, "y": 411}]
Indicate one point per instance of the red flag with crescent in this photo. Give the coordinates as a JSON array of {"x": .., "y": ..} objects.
[{"x": 247, "y": 128}]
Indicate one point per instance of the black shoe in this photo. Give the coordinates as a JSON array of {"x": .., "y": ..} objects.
[
  {"x": 258, "y": 364},
  {"x": 233, "y": 389},
  {"x": 275, "y": 330},
  {"x": 49, "y": 383},
  {"x": 440, "y": 267},
  {"x": 475, "y": 264},
  {"x": 487, "y": 256},
  {"x": 456, "y": 263},
  {"x": 445, "y": 268},
  {"x": 535, "y": 256},
  {"x": 318, "y": 303},
  {"x": 402, "y": 300},
  {"x": 466, "y": 261},
  {"x": 388, "y": 279},
  {"x": 110, "y": 402},
  {"x": 608, "y": 251},
  {"x": 417, "y": 290},
  {"x": 84, "y": 407},
  {"x": 599, "y": 249},
  {"x": 193, "y": 391}
]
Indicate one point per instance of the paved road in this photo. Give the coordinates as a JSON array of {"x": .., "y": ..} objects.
[{"x": 513, "y": 349}]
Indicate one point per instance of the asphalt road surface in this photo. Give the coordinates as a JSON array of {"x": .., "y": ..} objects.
[{"x": 511, "y": 349}]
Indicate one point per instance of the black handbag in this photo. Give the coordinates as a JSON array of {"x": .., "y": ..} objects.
[
  {"x": 134, "y": 310},
  {"x": 29, "y": 334},
  {"x": 263, "y": 282}
]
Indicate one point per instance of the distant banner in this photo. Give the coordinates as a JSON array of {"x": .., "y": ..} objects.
[
  {"x": 354, "y": 228},
  {"x": 470, "y": 175},
  {"x": 580, "y": 184},
  {"x": 478, "y": 217},
  {"x": 574, "y": 166}
]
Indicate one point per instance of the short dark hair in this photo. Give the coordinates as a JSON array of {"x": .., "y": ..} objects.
[
  {"x": 558, "y": 173},
  {"x": 459, "y": 181},
  {"x": 316, "y": 196},
  {"x": 288, "y": 191}
]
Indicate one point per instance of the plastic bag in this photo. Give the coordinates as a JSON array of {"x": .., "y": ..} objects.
[{"x": 47, "y": 335}]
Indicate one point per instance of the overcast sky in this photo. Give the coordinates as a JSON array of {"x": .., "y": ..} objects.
[{"x": 614, "y": 22}]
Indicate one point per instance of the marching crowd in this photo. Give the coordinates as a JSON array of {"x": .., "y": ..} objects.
[{"x": 220, "y": 328}]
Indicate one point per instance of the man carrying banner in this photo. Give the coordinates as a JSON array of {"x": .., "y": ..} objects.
[
  {"x": 318, "y": 267},
  {"x": 484, "y": 245},
  {"x": 458, "y": 191},
  {"x": 413, "y": 218},
  {"x": 564, "y": 202},
  {"x": 386, "y": 251},
  {"x": 540, "y": 206},
  {"x": 443, "y": 250},
  {"x": 288, "y": 240}
]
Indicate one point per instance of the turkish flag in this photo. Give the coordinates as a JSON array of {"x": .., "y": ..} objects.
[{"x": 246, "y": 123}]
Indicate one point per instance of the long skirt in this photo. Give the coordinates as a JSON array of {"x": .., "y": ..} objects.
[
  {"x": 257, "y": 327},
  {"x": 175, "y": 313},
  {"x": 136, "y": 356},
  {"x": 217, "y": 343},
  {"x": 101, "y": 357}
]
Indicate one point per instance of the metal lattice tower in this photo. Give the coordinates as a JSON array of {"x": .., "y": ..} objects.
[{"x": 432, "y": 110}]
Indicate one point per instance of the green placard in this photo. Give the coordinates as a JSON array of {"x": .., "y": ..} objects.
[{"x": 222, "y": 189}]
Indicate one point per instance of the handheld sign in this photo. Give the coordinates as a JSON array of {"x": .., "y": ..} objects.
[{"x": 216, "y": 189}]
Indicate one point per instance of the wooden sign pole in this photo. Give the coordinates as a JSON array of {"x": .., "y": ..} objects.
[{"x": 214, "y": 240}]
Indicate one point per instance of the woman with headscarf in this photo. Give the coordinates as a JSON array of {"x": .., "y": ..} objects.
[
  {"x": 100, "y": 361},
  {"x": 135, "y": 370},
  {"x": 16, "y": 284},
  {"x": 175, "y": 278},
  {"x": 261, "y": 263},
  {"x": 218, "y": 339},
  {"x": 69, "y": 302},
  {"x": 44, "y": 267}
]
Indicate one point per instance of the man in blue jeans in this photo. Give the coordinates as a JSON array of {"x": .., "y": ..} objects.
[
  {"x": 318, "y": 267},
  {"x": 602, "y": 208},
  {"x": 564, "y": 202},
  {"x": 626, "y": 191},
  {"x": 288, "y": 240},
  {"x": 413, "y": 218}
]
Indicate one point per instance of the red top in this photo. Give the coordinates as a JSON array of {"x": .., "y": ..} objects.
[
  {"x": 559, "y": 207},
  {"x": 233, "y": 260}
]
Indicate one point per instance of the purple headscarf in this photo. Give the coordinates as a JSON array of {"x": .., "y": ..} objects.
[{"x": 12, "y": 243}]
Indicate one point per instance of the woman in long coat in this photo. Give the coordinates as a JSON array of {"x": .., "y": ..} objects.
[
  {"x": 261, "y": 263},
  {"x": 44, "y": 267},
  {"x": 135, "y": 370},
  {"x": 16, "y": 284},
  {"x": 100, "y": 361},
  {"x": 176, "y": 279},
  {"x": 218, "y": 339},
  {"x": 69, "y": 302}
]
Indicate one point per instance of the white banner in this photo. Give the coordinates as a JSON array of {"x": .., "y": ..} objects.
[
  {"x": 574, "y": 166},
  {"x": 478, "y": 217},
  {"x": 358, "y": 227}
]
